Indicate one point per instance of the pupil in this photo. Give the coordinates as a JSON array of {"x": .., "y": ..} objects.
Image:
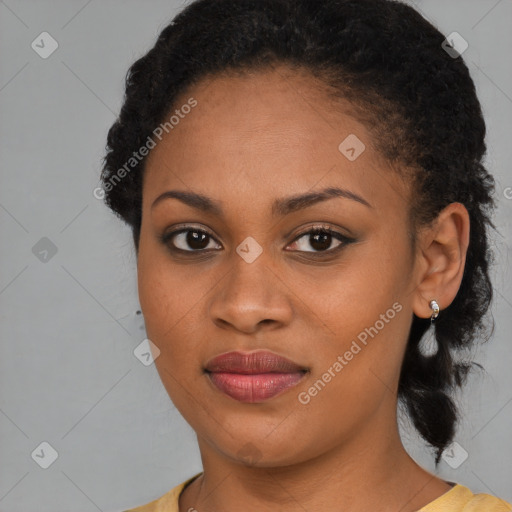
[
  {"x": 197, "y": 240},
  {"x": 320, "y": 241}
]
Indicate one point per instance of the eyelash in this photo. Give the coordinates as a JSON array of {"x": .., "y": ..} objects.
[{"x": 313, "y": 230}]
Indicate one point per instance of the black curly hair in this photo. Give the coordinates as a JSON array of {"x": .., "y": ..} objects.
[{"x": 418, "y": 102}]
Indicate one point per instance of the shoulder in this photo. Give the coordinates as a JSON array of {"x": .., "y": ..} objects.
[
  {"x": 169, "y": 502},
  {"x": 487, "y": 503},
  {"x": 461, "y": 499},
  {"x": 458, "y": 499}
]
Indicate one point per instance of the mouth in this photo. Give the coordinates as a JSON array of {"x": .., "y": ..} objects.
[{"x": 255, "y": 376}]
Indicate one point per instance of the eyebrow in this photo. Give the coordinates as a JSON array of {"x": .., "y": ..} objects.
[{"x": 282, "y": 206}]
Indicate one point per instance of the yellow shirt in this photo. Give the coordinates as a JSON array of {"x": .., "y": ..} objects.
[{"x": 458, "y": 499}]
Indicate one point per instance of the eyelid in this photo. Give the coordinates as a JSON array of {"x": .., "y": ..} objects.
[
  {"x": 180, "y": 228},
  {"x": 321, "y": 227},
  {"x": 168, "y": 235}
]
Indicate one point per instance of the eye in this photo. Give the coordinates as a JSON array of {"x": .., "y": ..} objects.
[
  {"x": 195, "y": 240},
  {"x": 320, "y": 238},
  {"x": 189, "y": 240}
]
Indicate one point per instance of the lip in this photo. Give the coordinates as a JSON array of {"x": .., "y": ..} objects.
[{"x": 253, "y": 376}]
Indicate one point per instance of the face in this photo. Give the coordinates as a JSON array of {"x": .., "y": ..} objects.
[{"x": 246, "y": 271}]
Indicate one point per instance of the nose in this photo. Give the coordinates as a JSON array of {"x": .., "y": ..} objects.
[{"x": 251, "y": 297}]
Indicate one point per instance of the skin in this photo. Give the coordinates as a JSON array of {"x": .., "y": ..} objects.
[{"x": 250, "y": 140}]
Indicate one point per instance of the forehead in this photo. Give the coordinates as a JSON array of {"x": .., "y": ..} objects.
[{"x": 262, "y": 133}]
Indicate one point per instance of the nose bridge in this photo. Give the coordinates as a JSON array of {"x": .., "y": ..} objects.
[
  {"x": 250, "y": 293},
  {"x": 250, "y": 278}
]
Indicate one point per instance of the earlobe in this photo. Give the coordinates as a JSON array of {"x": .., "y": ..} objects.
[{"x": 442, "y": 255}]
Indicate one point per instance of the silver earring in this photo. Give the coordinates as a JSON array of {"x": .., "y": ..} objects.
[
  {"x": 428, "y": 345},
  {"x": 434, "y": 306}
]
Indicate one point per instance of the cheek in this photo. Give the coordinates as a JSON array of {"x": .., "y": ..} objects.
[
  {"x": 366, "y": 355},
  {"x": 162, "y": 297},
  {"x": 167, "y": 303},
  {"x": 351, "y": 382},
  {"x": 365, "y": 308},
  {"x": 363, "y": 294},
  {"x": 171, "y": 297}
]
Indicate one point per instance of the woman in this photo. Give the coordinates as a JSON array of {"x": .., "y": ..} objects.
[{"x": 305, "y": 186}]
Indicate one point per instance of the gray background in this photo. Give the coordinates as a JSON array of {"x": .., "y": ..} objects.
[{"x": 69, "y": 324}]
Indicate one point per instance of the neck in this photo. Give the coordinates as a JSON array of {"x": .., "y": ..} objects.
[{"x": 369, "y": 472}]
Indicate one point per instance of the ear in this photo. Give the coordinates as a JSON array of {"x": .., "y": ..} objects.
[{"x": 441, "y": 257}]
